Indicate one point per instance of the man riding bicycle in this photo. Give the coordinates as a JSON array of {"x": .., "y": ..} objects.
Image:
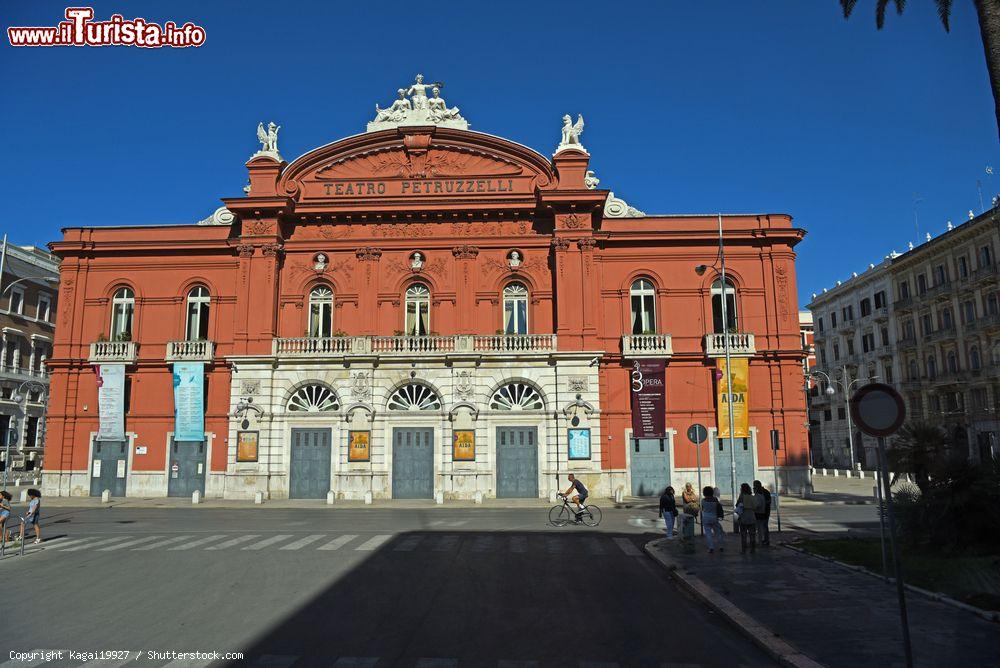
[{"x": 579, "y": 497}]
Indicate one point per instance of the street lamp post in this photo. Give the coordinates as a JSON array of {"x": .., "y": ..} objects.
[
  {"x": 20, "y": 397},
  {"x": 845, "y": 387}
]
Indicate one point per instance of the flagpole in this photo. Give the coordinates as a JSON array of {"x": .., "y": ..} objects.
[{"x": 729, "y": 369}]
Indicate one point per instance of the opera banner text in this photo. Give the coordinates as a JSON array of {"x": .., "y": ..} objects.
[
  {"x": 736, "y": 400},
  {"x": 648, "y": 398},
  {"x": 111, "y": 402},
  {"x": 189, "y": 397}
]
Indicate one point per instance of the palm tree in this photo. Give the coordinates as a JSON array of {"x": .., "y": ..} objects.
[
  {"x": 918, "y": 448},
  {"x": 989, "y": 28}
]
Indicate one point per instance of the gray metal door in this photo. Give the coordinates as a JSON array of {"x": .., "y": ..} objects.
[
  {"x": 517, "y": 463},
  {"x": 108, "y": 468},
  {"x": 412, "y": 463},
  {"x": 723, "y": 464},
  {"x": 309, "y": 470},
  {"x": 186, "y": 468},
  {"x": 650, "y": 466}
]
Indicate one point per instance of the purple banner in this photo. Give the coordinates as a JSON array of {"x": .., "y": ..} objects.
[{"x": 649, "y": 398}]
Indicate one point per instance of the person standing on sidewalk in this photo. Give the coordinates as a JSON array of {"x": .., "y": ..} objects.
[
  {"x": 668, "y": 511},
  {"x": 31, "y": 517},
  {"x": 689, "y": 502},
  {"x": 746, "y": 509},
  {"x": 764, "y": 514},
  {"x": 711, "y": 520},
  {"x": 5, "y": 499}
]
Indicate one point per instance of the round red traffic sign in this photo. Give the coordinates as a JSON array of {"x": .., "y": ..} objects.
[{"x": 878, "y": 409}]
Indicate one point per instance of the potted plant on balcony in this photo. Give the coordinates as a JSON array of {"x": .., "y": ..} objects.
[
  {"x": 338, "y": 333},
  {"x": 123, "y": 336}
]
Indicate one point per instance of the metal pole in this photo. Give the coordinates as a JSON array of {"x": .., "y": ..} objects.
[
  {"x": 729, "y": 370},
  {"x": 897, "y": 565},
  {"x": 697, "y": 452},
  {"x": 881, "y": 522},
  {"x": 847, "y": 407},
  {"x": 777, "y": 506}
]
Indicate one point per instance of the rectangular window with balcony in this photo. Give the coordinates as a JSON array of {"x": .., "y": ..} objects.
[
  {"x": 44, "y": 308},
  {"x": 992, "y": 305},
  {"x": 822, "y": 356},
  {"x": 885, "y": 336},
  {"x": 985, "y": 257},
  {"x": 940, "y": 275},
  {"x": 866, "y": 307},
  {"x": 963, "y": 267},
  {"x": 908, "y": 331},
  {"x": 880, "y": 299},
  {"x": 833, "y": 319},
  {"x": 925, "y": 324},
  {"x": 836, "y": 352},
  {"x": 819, "y": 323},
  {"x": 850, "y": 346},
  {"x": 921, "y": 284},
  {"x": 969, "y": 312},
  {"x": 887, "y": 373},
  {"x": 16, "y": 304},
  {"x": 904, "y": 290}
]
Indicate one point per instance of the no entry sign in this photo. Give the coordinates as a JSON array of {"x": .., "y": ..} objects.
[{"x": 878, "y": 410}]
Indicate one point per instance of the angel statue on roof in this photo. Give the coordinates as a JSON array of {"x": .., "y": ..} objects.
[
  {"x": 571, "y": 133},
  {"x": 268, "y": 138}
]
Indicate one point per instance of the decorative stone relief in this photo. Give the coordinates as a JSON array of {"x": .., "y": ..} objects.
[
  {"x": 464, "y": 385},
  {"x": 368, "y": 254},
  {"x": 616, "y": 207},
  {"x": 418, "y": 109},
  {"x": 268, "y": 141},
  {"x": 271, "y": 250},
  {"x": 439, "y": 161},
  {"x": 578, "y": 384},
  {"x": 586, "y": 243},
  {"x": 250, "y": 388},
  {"x": 361, "y": 386},
  {"x": 571, "y": 134},
  {"x": 465, "y": 252},
  {"x": 245, "y": 250},
  {"x": 258, "y": 227},
  {"x": 221, "y": 216}
]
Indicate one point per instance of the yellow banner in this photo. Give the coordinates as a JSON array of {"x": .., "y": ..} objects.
[{"x": 735, "y": 400}]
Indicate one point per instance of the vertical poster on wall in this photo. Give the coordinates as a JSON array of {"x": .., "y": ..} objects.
[
  {"x": 579, "y": 443},
  {"x": 649, "y": 398},
  {"x": 359, "y": 446},
  {"x": 735, "y": 400},
  {"x": 247, "y": 446},
  {"x": 464, "y": 445},
  {"x": 111, "y": 402},
  {"x": 189, "y": 401}
]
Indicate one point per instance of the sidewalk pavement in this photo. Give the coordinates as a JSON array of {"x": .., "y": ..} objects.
[
  {"x": 832, "y": 615},
  {"x": 185, "y": 502}
]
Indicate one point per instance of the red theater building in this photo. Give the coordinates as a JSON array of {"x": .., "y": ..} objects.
[{"x": 423, "y": 311}]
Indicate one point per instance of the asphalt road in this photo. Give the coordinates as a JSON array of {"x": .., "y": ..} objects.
[{"x": 356, "y": 587}]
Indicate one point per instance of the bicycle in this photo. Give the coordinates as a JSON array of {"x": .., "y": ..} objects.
[{"x": 562, "y": 514}]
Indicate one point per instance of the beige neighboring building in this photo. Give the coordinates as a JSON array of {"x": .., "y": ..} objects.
[
  {"x": 926, "y": 321},
  {"x": 947, "y": 305},
  {"x": 28, "y": 293}
]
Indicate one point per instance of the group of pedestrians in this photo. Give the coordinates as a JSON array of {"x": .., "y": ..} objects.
[
  {"x": 28, "y": 521},
  {"x": 752, "y": 515}
]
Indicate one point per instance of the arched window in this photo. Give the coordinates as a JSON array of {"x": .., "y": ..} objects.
[
  {"x": 643, "y": 297},
  {"x": 731, "y": 317},
  {"x": 321, "y": 311},
  {"x": 975, "y": 362},
  {"x": 197, "y": 314},
  {"x": 516, "y": 397},
  {"x": 952, "y": 361},
  {"x": 315, "y": 398},
  {"x": 931, "y": 367},
  {"x": 515, "y": 309},
  {"x": 414, "y": 397},
  {"x": 418, "y": 302},
  {"x": 122, "y": 310}
]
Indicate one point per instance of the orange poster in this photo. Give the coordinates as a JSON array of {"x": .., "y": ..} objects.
[
  {"x": 464, "y": 449},
  {"x": 358, "y": 446},
  {"x": 735, "y": 400}
]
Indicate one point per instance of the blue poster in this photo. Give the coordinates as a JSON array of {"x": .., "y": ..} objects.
[
  {"x": 579, "y": 443},
  {"x": 189, "y": 401}
]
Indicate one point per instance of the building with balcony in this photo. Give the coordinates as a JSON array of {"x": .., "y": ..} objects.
[
  {"x": 423, "y": 311},
  {"x": 28, "y": 301},
  {"x": 938, "y": 342}
]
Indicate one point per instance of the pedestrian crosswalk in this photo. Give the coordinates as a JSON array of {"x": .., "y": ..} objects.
[
  {"x": 371, "y": 542},
  {"x": 814, "y": 525}
]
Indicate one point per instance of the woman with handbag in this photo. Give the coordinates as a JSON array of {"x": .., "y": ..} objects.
[{"x": 668, "y": 511}]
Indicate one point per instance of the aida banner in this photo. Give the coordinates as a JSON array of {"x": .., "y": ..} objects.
[
  {"x": 189, "y": 401},
  {"x": 649, "y": 399},
  {"x": 464, "y": 449},
  {"x": 736, "y": 400},
  {"x": 359, "y": 446},
  {"x": 111, "y": 402}
]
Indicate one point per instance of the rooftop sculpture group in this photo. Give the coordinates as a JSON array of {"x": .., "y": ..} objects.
[{"x": 413, "y": 107}]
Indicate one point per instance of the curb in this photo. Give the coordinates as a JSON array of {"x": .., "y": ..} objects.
[
  {"x": 766, "y": 639},
  {"x": 988, "y": 615}
]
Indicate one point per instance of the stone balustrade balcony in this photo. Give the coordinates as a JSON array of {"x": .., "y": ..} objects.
[
  {"x": 740, "y": 345},
  {"x": 414, "y": 346},
  {"x": 108, "y": 352},
  {"x": 635, "y": 346},
  {"x": 190, "y": 351}
]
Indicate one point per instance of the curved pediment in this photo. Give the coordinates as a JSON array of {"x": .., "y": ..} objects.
[{"x": 423, "y": 165}]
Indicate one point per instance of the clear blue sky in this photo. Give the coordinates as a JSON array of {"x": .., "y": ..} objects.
[{"x": 739, "y": 106}]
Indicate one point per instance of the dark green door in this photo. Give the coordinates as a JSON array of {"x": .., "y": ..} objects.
[
  {"x": 650, "y": 466},
  {"x": 309, "y": 469},
  {"x": 412, "y": 463},
  {"x": 186, "y": 469},
  {"x": 108, "y": 468},
  {"x": 517, "y": 463}
]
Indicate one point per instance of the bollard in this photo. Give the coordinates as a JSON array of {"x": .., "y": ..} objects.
[
  {"x": 368, "y": 498},
  {"x": 196, "y": 497},
  {"x": 258, "y": 498},
  {"x": 439, "y": 498},
  {"x": 836, "y": 473},
  {"x": 329, "y": 498},
  {"x": 824, "y": 471},
  {"x": 34, "y": 481},
  {"x": 478, "y": 498},
  {"x": 861, "y": 474},
  {"x": 106, "y": 496},
  {"x": 17, "y": 482}
]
